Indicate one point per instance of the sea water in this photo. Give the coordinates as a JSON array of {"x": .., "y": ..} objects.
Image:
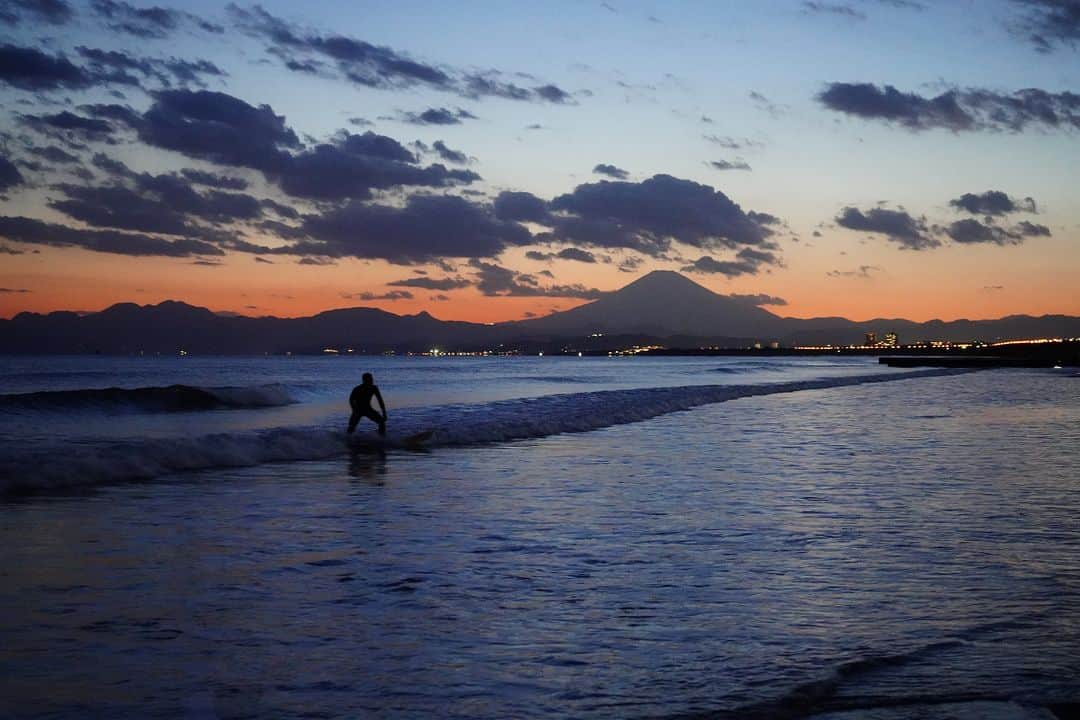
[{"x": 596, "y": 538}]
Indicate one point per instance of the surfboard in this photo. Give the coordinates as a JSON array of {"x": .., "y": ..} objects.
[{"x": 417, "y": 440}]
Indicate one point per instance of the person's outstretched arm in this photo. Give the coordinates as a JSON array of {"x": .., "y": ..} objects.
[{"x": 382, "y": 405}]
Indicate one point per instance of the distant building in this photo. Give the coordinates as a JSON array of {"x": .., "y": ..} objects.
[
  {"x": 890, "y": 340},
  {"x": 871, "y": 339}
]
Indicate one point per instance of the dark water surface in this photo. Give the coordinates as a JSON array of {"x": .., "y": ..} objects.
[{"x": 904, "y": 549}]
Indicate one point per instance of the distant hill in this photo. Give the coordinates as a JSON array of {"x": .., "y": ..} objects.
[
  {"x": 663, "y": 307},
  {"x": 661, "y": 304}
]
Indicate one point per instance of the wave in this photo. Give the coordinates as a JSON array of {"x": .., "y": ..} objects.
[
  {"x": 453, "y": 425},
  {"x": 173, "y": 398}
]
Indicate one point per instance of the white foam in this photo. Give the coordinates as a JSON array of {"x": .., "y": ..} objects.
[{"x": 36, "y": 469}]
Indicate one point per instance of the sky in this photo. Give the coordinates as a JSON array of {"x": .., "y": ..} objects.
[{"x": 492, "y": 161}]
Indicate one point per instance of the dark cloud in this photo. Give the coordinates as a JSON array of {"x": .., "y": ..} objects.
[
  {"x": 14, "y": 290},
  {"x": 728, "y": 165},
  {"x": 219, "y": 128},
  {"x": 261, "y": 259},
  {"x": 68, "y": 125},
  {"x": 52, "y": 12},
  {"x": 812, "y": 6},
  {"x": 745, "y": 263},
  {"x": 520, "y": 207},
  {"x": 54, "y": 154},
  {"x": 970, "y": 231},
  {"x": 9, "y": 175},
  {"x": 909, "y": 232},
  {"x": 36, "y": 232},
  {"x": 112, "y": 166},
  {"x": 354, "y": 165},
  {"x": 166, "y": 204},
  {"x": 114, "y": 66},
  {"x": 449, "y": 155},
  {"x": 759, "y": 299},
  {"x": 120, "y": 114},
  {"x": 495, "y": 280},
  {"x": 1048, "y": 24},
  {"x": 611, "y": 171},
  {"x": 147, "y": 23},
  {"x": 438, "y": 116},
  {"x": 956, "y": 110},
  {"x": 31, "y": 69},
  {"x": 429, "y": 283},
  {"x": 863, "y": 272},
  {"x": 214, "y": 180},
  {"x": 426, "y": 228},
  {"x": 8, "y": 250},
  {"x": 764, "y": 103},
  {"x": 992, "y": 202},
  {"x": 377, "y": 66},
  {"x": 391, "y": 295},
  {"x": 360, "y": 122},
  {"x": 570, "y": 253},
  {"x": 649, "y": 215}
]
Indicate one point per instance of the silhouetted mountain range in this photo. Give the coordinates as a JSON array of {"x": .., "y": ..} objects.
[{"x": 662, "y": 306}]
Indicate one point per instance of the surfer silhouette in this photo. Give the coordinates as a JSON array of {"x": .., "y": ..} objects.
[{"x": 360, "y": 401}]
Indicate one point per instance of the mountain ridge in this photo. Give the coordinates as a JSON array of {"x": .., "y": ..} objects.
[{"x": 659, "y": 305}]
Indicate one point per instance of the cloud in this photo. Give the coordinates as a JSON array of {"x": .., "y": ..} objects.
[
  {"x": 812, "y": 6},
  {"x": 51, "y": 12},
  {"x": 14, "y": 290},
  {"x": 31, "y": 69},
  {"x": 375, "y": 66},
  {"x": 54, "y": 154},
  {"x": 426, "y": 228},
  {"x": 451, "y": 156},
  {"x": 9, "y": 175},
  {"x": 992, "y": 202},
  {"x": 970, "y": 231},
  {"x": 428, "y": 283},
  {"x": 392, "y": 296},
  {"x": 898, "y": 226},
  {"x": 764, "y": 103},
  {"x": 438, "y": 116},
  {"x": 611, "y": 171},
  {"x": 495, "y": 280},
  {"x": 731, "y": 143},
  {"x": 69, "y": 127},
  {"x": 570, "y": 253},
  {"x": 166, "y": 204},
  {"x": 148, "y": 23},
  {"x": 353, "y": 165},
  {"x": 728, "y": 165},
  {"x": 261, "y": 259},
  {"x": 759, "y": 299},
  {"x": 863, "y": 272},
  {"x": 317, "y": 260},
  {"x": 36, "y": 232},
  {"x": 992, "y": 288},
  {"x": 219, "y": 128},
  {"x": 650, "y": 215},
  {"x": 119, "y": 67},
  {"x": 747, "y": 262},
  {"x": 1048, "y": 24},
  {"x": 209, "y": 179},
  {"x": 520, "y": 207},
  {"x": 956, "y": 110}
]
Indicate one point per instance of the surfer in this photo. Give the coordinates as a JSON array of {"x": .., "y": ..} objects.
[{"x": 360, "y": 401}]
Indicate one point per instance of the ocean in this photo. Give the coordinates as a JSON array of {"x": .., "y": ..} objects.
[{"x": 627, "y": 537}]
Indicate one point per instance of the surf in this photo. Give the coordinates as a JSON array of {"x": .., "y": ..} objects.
[{"x": 35, "y": 469}]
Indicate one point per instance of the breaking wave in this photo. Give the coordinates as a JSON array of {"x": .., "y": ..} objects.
[
  {"x": 173, "y": 398},
  {"x": 37, "y": 469}
]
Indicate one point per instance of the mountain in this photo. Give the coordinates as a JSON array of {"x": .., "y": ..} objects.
[
  {"x": 663, "y": 307},
  {"x": 661, "y": 304}
]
